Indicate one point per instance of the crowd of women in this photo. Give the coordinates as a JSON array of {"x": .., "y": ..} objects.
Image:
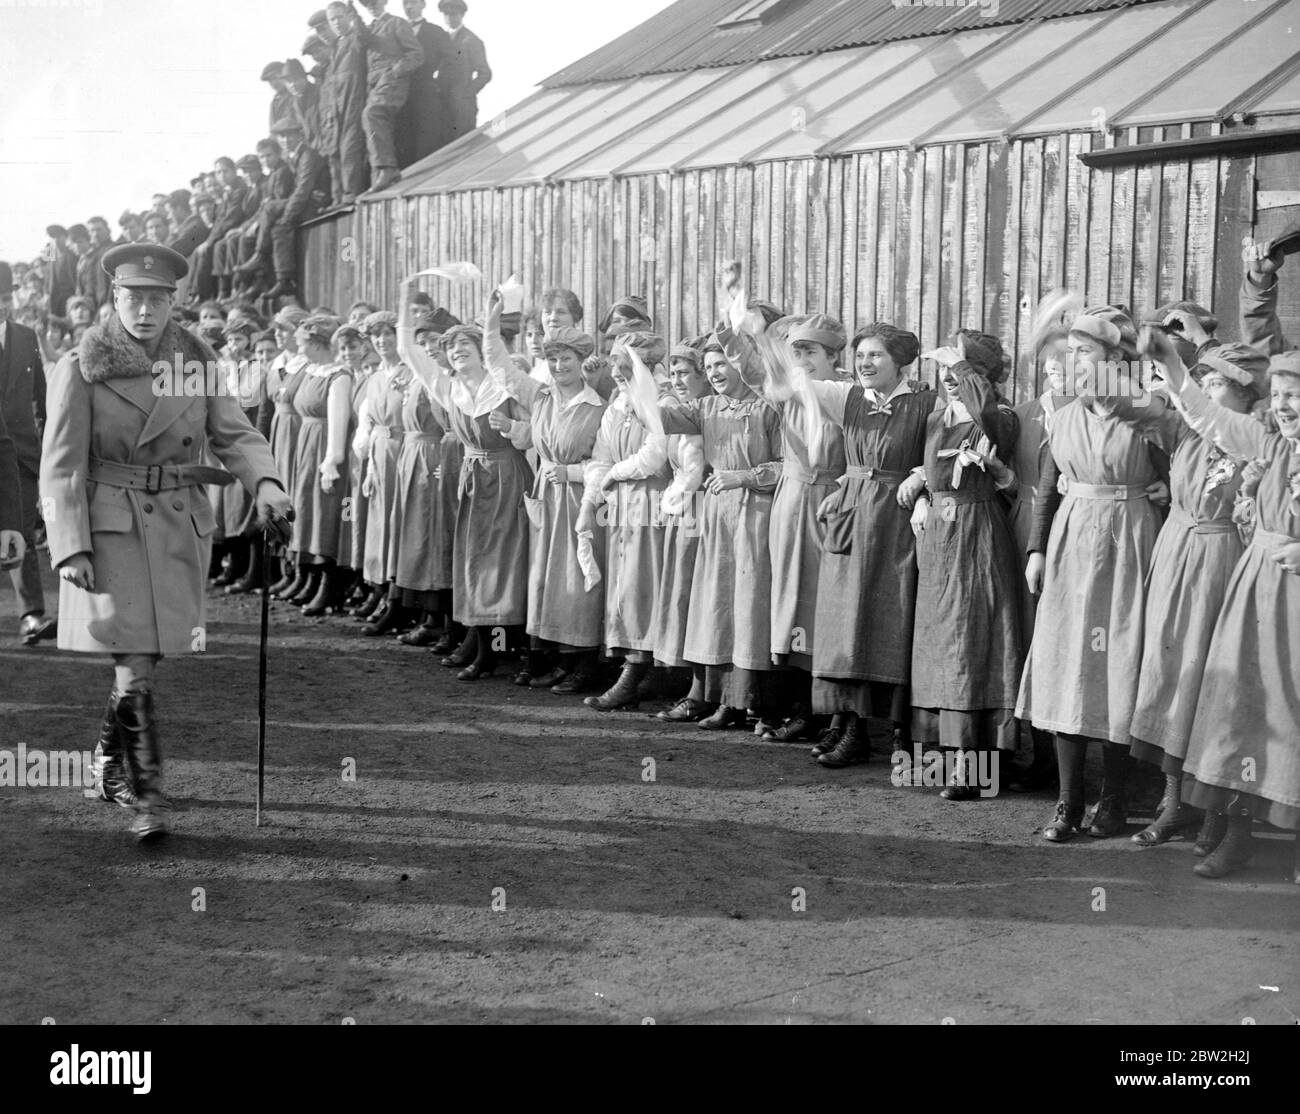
[{"x": 775, "y": 524}]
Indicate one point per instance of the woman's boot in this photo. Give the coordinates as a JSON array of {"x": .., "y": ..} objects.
[
  {"x": 300, "y": 577},
  {"x": 237, "y": 552},
  {"x": 328, "y": 595},
  {"x": 309, "y": 588},
  {"x": 583, "y": 677},
  {"x": 426, "y": 634},
  {"x": 139, "y": 732},
  {"x": 1174, "y": 819},
  {"x": 485, "y": 658},
  {"x": 854, "y": 747},
  {"x": 1234, "y": 851},
  {"x": 1071, "y": 753},
  {"x": 1213, "y": 828},
  {"x": 1110, "y": 817},
  {"x": 623, "y": 693},
  {"x": 288, "y": 574},
  {"x": 451, "y": 638},
  {"x": 373, "y": 602},
  {"x": 830, "y": 736},
  {"x": 465, "y": 653},
  {"x": 394, "y": 617},
  {"x": 962, "y": 785},
  {"x": 252, "y": 578}
]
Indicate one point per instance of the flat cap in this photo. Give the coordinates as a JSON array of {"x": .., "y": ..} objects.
[
  {"x": 78, "y": 232},
  {"x": 286, "y": 126},
  {"x": 273, "y": 71},
  {"x": 248, "y": 162},
  {"x": 144, "y": 265},
  {"x": 55, "y": 230},
  {"x": 179, "y": 197}
]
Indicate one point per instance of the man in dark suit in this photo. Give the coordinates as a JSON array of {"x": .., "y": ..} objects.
[
  {"x": 22, "y": 408},
  {"x": 60, "y": 269},
  {"x": 422, "y": 125},
  {"x": 464, "y": 71}
]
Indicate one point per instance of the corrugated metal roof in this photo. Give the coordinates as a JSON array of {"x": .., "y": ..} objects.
[
  {"x": 686, "y": 36},
  {"x": 1163, "y": 62}
]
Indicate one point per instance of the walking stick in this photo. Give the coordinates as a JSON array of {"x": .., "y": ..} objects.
[
  {"x": 261, "y": 680},
  {"x": 276, "y": 526}
]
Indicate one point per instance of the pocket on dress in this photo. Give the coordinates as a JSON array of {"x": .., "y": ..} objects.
[
  {"x": 838, "y": 537},
  {"x": 534, "y": 509}
]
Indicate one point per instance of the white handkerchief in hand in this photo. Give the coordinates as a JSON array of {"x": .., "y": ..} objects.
[{"x": 587, "y": 560}]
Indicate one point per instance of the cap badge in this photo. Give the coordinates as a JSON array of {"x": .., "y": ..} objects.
[{"x": 148, "y": 262}]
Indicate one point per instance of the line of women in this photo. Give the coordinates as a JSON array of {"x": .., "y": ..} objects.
[{"x": 774, "y": 523}]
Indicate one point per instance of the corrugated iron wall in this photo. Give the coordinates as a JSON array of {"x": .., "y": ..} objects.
[{"x": 947, "y": 236}]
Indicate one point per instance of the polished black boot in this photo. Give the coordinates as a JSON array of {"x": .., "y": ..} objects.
[
  {"x": 854, "y": 748},
  {"x": 139, "y": 733},
  {"x": 623, "y": 693},
  {"x": 830, "y": 736},
  {"x": 799, "y": 726},
  {"x": 112, "y": 782}
]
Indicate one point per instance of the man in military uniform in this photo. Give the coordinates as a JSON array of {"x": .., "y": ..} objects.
[
  {"x": 464, "y": 71},
  {"x": 129, "y": 520},
  {"x": 393, "y": 54},
  {"x": 22, "y": 405}
]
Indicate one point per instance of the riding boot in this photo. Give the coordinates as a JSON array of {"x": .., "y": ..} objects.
[
  {"x": 252, "y": 578},
  {"x": 112, "y": 782},
  {"x": 139, "y": 731},
  {"x": 623, "y": 693},
  {"x": 1174, "y": 819}
]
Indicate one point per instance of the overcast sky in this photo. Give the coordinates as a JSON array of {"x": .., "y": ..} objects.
[{"x": 106, "y": 102}]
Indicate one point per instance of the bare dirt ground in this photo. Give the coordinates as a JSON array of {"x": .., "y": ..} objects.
[{"x": 624, "y": 899}]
